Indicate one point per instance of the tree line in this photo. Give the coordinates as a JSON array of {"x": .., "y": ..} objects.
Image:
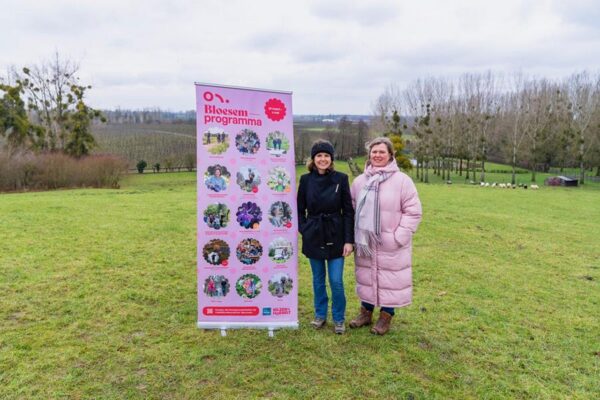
[
  {"x": 348, "y": 137},
  {"x": 530, "y": 122},
  {"x": 154, "y": 115}
]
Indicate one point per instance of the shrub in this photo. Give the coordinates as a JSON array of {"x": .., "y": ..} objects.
[
  {"x": 17, "y": 171},
  {"x": 190, "y": 161},
  {"x": 103, "y": 171},
  {"x": 28, "y": 171},
  {"x": 156, "y": 167},
  {"x": 170, "y": 163},
  {"x": 141, "y": 165}
]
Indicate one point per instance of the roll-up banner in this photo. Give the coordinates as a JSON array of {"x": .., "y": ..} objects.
[{"x": 247, "y": 223}]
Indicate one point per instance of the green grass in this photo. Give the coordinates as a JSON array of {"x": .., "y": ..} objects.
[{"x": 99, "y": 301}]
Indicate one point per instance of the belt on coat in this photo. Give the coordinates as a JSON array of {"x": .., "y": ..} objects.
[{"x": 326, "y": 228}]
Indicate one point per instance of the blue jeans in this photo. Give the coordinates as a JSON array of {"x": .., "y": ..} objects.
[
  {"x": 371, "y": 307},
  {"x": 335, "y": 268}
]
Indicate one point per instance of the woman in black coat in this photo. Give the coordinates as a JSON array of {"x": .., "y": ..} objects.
[{"x": 326, "y": 222}]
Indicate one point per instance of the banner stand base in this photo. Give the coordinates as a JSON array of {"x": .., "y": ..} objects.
[{"x": 224, "y": 326}]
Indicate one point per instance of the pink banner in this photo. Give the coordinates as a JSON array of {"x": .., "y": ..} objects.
[{"x": 247, "y": 223}]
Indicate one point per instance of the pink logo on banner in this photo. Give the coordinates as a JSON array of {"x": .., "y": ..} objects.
[
  {"x": 275, "y": 109},
  {"x": 210, "y": 96}
]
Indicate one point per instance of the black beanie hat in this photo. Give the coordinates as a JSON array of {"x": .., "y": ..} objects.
[{"x": 321, "y": 147}]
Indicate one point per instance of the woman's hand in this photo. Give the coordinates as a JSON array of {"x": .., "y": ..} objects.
[{"x": 348, "y": 248}]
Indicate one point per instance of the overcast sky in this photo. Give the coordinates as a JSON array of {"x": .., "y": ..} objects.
[{"x": 336, "y": 56}]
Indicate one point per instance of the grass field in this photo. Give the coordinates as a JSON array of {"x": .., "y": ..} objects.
[{"x": 99, "y": 301}]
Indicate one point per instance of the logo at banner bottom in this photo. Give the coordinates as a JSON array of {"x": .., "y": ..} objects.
[{"x": 230, "y": 311}]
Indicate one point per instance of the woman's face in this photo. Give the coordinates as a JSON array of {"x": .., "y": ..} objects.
[
  {"x": 322, "y": 162},
  {"x": 217, "y": 172},
  {"x": 379, "y": 155}
]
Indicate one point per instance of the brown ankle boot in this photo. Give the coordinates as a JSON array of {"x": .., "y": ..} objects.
[
  {"x": 383, "y": 324},
  {"x": 364, "y": 318}
]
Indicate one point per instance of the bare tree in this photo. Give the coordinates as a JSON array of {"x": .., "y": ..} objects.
[
  {"x": 443, "y": 125},
  {"x": 513, "y": 111},
  {"x": 362, "y": 136},
  {"x": 389, "y": 101},
  {"x": 48, "y": 89},
  {"x": 418, "y": 97},
  {"x": 584, "y": 102},
  {"x": 346, "y": 137},
  {"x": 537, "y": 105},
  {"x": 330, "y": 134}
]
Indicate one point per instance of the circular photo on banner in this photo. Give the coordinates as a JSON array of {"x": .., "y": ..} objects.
[
  {"x": 248, "y": 251},
  {"x": 277, "y": 144},
  {"x": 215, "y": 140},
  {"x": 280, "y": 215},
  {"x": 216, "y": 216},
  {"x": 216, "y": 252},
  {"x": 280, "y": 284},
  {"x": 248, "y": 286},
  {"x": 248, "y": 179},
  {"x": 247, "y": 142},
  {"x": 280, "y": 250},
  {"x": 249, "y": 215},
  {"x": 279, "y": 180},
  {"x": 216, "y": 286},
  {"x": 216, "y": 178}
]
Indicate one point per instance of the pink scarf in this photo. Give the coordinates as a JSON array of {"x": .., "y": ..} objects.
[{"x": 367, "y": 225}]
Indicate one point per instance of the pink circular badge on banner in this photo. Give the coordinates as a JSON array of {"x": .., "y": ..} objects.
[{"x": 275, "y": 109}]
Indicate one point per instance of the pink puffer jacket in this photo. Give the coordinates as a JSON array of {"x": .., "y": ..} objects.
[{"x": 385, "y": 278}]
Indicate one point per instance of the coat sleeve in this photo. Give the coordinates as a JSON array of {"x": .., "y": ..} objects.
[
  {"x": 354, "y": 192},
  {"x": 301, "y": 201},
  {"x": 348, "y": 211},
  {"x": 410, "y": 206}
]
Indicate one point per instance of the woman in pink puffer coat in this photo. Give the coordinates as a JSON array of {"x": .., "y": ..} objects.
[{"x": 388, "y": 212}]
